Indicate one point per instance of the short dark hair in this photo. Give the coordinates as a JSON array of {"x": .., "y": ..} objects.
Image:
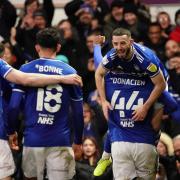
[
  {"x": 152, "y": 24},
  {"x": 48, "y": 38},
  {"x": 176, "y": 14},
  {"x": 1, "y": 49},
  {"x": 121, "y": 32}
]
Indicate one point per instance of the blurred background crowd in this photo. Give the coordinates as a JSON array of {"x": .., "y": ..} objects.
[{"x": 86, "y": 19}]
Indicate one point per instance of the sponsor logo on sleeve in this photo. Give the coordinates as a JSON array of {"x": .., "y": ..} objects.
[{"x": 152, "y": 68}]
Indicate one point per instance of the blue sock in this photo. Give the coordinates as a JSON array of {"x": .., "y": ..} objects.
[{"x": 107, "y": 144}]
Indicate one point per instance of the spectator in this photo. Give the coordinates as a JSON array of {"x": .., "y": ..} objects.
[
  {"x": 142, "y": 10},
  {"x": 175, "y": 34},
  {"x": 9, "y": 57},
  {"x": 7, "y": 19},
  {"x": 166, "y": 151},
  {"x": 114, "y": 19},
  {"x": 100, "y": 9},
  {"x": 172, "y": 51},
  {"x": 164, "y": 20},
  {"x": 88, "y": 161},
  {"x": 40, "y": 19},
  {"x": 176, "y": 144},
  {"x": 30, "y": 6},
  {"x": 165, "y": 145},
  {"x": 71, "y": 46},
  {"x": 26, "y": 36},
  {"x": 93, "y": 126},
  {"x": 133, "y": 23},
  {"x": 85, "y": 16},
  {"x": 155, "y": 40}
]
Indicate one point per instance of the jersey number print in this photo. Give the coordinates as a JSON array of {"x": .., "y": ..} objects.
[
  {"x": 123, "y": 105},
  {"x": 48, "y": 96}
]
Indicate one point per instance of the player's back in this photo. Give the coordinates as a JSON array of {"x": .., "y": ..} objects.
[
  {"x": 126, "y": 93},
  {"x": 46, "y": 109}
]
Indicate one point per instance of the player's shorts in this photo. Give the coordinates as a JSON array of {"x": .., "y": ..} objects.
[
  {"x": 7, "y": 166},
  {"x": 59, "y": 162},
  {"x": 131, "y": 160}
]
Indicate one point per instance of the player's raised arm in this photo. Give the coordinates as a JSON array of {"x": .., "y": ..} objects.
[
  {"x": 39, "y": 80},
  {"x": 98, "y": 41}
]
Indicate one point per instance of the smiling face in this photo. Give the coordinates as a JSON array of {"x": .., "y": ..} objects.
[
  {"x": 171, "y": 48},
  {"x": 122, "y": 44}
]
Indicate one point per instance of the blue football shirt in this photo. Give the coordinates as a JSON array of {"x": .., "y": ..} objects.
[
  {"x": 144, "y": 62},
  {"x": 128, "y": 85},
  {"x": 4, "y": 70},
  {"x": 126, "y": 93},
  {"x": 46, "y": 109}
]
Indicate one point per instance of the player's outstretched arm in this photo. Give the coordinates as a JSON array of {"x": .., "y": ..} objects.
[
  {"x": 40, "y": 80},
  {"x": 99, "y": 76},
  {"x": 159, "y": 87},
  {"x": 98, "y": 41}
]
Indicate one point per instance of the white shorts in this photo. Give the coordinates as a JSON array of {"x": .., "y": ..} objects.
[
  {"x": 132, "y": 160},
  {"x": 59, "y": 162},
  {"x": 7, "y": 166}
]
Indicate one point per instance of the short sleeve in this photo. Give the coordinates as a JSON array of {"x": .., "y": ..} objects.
[
  {"x": 107, "y": 61},
  {"x": 4, "y": 68},
  {"x": 151, "y": 66}
]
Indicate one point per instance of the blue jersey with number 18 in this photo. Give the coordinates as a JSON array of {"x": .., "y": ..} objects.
[{"x": 46, "y": 109}]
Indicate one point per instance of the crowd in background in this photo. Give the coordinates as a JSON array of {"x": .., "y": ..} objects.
[{"x": 85, "y": 20}]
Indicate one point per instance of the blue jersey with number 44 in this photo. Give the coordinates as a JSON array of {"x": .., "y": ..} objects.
[{"x": 126, "y": 93}]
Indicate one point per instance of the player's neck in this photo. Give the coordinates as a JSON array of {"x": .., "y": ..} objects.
[
  {"x": 130, "y": 54},
  {"x": 47, "y": 54}
]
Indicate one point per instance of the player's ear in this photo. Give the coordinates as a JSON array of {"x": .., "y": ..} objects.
[
  {"x": 131, "y": 40},
  {"x": 58, "y": 47},
  {"x": 37, "y": 47}
]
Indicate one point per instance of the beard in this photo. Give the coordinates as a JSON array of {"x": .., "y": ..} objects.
[{"x": 125, "y": 54}]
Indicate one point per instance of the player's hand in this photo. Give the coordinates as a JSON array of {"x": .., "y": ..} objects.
[
  {"x": 71, "y": 79},
  {"x": 99, "y": 40},
  {"x": 106, "y": 106},
  {"x": 140, "y": 113},
  {"x": 174, "y": 63},
  {"x": 77, "y": 148},
  {"x": 13, "y": 141}
]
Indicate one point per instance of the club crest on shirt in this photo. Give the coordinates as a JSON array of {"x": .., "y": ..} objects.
[
  {"x": 152, "y": 67},
  {"x": 136, "y": 68}
]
